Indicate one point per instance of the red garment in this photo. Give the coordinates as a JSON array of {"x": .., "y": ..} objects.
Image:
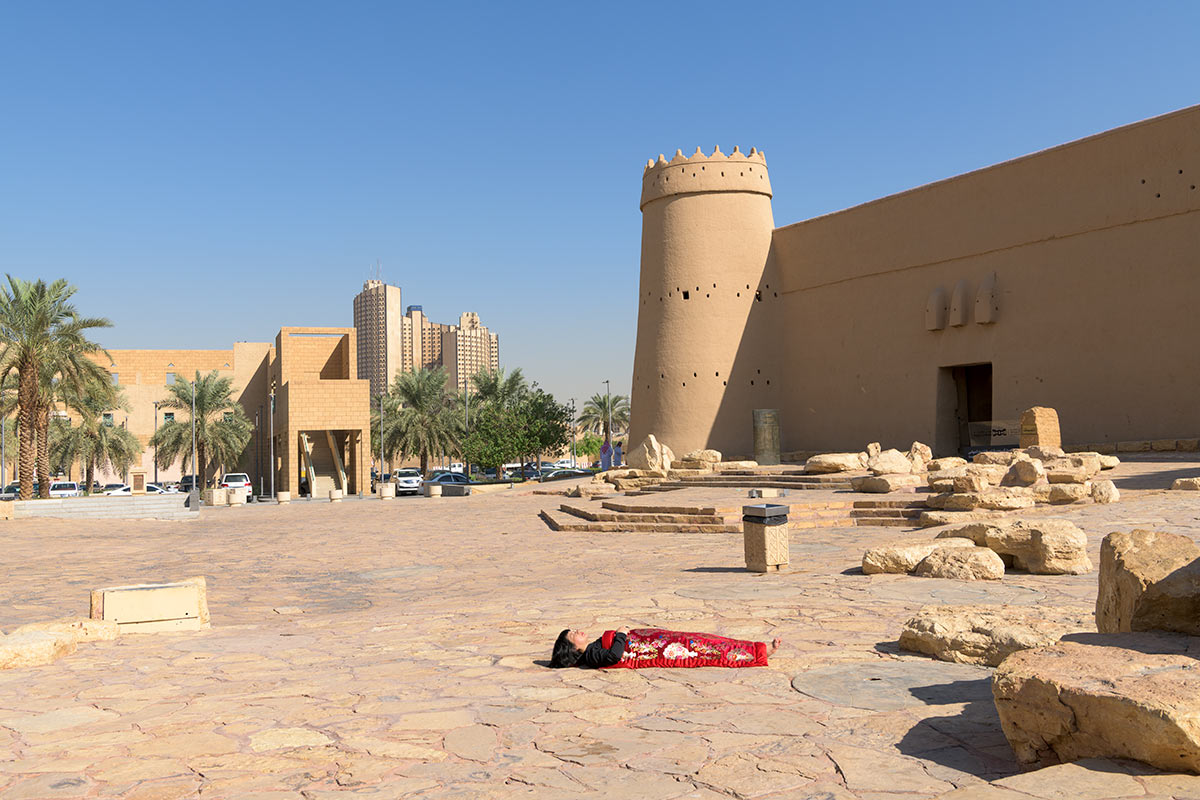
[{"x": 654, "y": 647}]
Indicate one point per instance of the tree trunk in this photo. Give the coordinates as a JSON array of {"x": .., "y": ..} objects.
[
  {"x": 26, "y": 412},
  {"x": 424, "y": 463},
  {"x": 43, "y": 452},
  {"x": 202, "y": 466},
  {"x": 90, "y": 476}
]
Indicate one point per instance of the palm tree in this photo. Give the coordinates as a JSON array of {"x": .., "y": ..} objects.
[
  {"x": 94, "y": 443},
  {"x": 498, "y": 389},
  {"x": 425, "y": 422},
  {"x": 600, "y": 409},
  {"x": 43, "y": 340},
  {"x": 222, "y": 428}
]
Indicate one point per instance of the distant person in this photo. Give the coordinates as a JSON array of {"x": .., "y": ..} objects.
[
  {"x": 605, "y": 457},
  {"x": 618, "y": 457},
  {"x": 655, "y": 647}
]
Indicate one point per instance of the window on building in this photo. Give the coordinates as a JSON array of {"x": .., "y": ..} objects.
[
  {"x": 170, "y": 379},
  {"x": 168, "y": 416},
  {"x": 116, "y": 379},
  {"x": 107, "y": 418}
]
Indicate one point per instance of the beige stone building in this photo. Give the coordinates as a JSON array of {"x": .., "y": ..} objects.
[
  {"x": 377, "y": 322},
  {"x": 467, "y": 348},
  {"x": 421, "y": 342},
  {"x": 1065, "y": 278},
  {"x": 322, "y": 410}
]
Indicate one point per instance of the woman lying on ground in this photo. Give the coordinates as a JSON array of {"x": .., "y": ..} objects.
[{"x": 655, "y": 647}]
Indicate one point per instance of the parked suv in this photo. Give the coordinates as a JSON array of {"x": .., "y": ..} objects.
[
  {"x": 185, "y": 483},
  {"x": 64, "y": 489},
  {"x": 407, "y": 480},
  {"x": 238, "y": 480}
]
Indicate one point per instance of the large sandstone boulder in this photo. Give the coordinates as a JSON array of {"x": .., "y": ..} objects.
[
  {"x": 975, "y": 531},
  {"x": 650, "y": 454},
  {"x": 1149, "y": 581},
  {"x": 949, "y": 462},
  {"x": 1024, "y": 472},
  {"x": 1186, "y": 484},
  {"x": 835, "y": 462},
  {"x": 920, "y": 455},
  {"x": 938, "y": 518},
  {"x": 903, "y": 556},
  {"x": 1001, "y": 457},
  {"x": 1044, "y": 547},
  {"x": 992, "y": 473},
  {"x": 969, "y": 483},
  {"x": 1063, "y": 493},
  {"x": 1039, "y": 426},
  {"x": 1043, "y": 452},
  {"x": 881, "y": 484},
  {"x": 34, "y": 648},
  {"x": 961, "y": 564},
  {"x": 988, "y": 634},
  {"x": 1108, "y": 462},
  {"x": 1066, "y": 474},
  {"x": 890, "y": 462},
  {"x": 705, "y": 456},
  {"x": 1105, "y": 492},
  {"x": 1010, "y": 498},
  {"x": 1131, "y": 695}
]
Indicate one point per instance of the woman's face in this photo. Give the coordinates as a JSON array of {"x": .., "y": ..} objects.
[{"x": 578, "y": 638}]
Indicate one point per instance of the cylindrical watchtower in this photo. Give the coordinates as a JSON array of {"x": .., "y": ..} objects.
[{"x": 705, "y": 347}]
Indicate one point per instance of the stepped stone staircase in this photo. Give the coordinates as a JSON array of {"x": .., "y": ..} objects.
[
  {"x": 785, "y": 478},
  {"x": 612, "y": 516}
]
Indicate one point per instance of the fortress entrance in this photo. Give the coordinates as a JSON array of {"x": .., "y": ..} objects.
[{"x": 964, "y": 412}]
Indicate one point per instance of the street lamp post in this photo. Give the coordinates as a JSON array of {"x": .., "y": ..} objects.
[
  {"x": 157, "y": 403},
  {"x": 466, "y": 423},
  {"x": 608, "y": 403},
  {"x": 194, "y": 487},
  {"x": 380, "y": 475},
  {"x": 574, "y": 459},
  {"x": 271, "y": 455}
]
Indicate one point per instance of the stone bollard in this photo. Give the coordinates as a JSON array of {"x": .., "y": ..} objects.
[
  {"x": 387, "y": 491},
  {"x": 236, "y": 497},
  {"x": 433, "y": 490},
  {"x": 216, "y": 497},
  {"x": 765, "y": 537},
  {"x": 766, "y": 436},
  {"x": 335, "y": 495},
  {"x": 283, "y": 498}
]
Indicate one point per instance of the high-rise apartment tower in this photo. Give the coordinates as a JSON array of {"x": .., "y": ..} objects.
[
  {"x": 467, "y": 348},
  {"x": 377, "y": 322}
]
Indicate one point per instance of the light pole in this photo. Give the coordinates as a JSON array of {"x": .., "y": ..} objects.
[
  {"x": 3, "y": 453},
  {"x": 466, "y": 423},
  {"x": 379, "y": 478},
  {"x": 194, "y": 487},
  {"x": 271, "y": 416},
  {"x": 574, "y": 459},
  {"x": 608, "y": 403},
  {"x": 156, "y": 405}
]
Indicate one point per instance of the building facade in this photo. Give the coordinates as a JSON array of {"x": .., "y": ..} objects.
[
  {"x": 468, "y": 348},
  {"x": 377, "y": 324},
  {"x": 422, "y": 341},
  {"x": 321, "y": 417},
  {"x": 1063, "y": 279}
]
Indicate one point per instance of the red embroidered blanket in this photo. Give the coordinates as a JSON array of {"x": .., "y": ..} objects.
[{"x": 654, "y": 647}]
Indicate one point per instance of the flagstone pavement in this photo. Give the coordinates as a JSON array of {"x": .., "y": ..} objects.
[{"x": 398, "y": 649}]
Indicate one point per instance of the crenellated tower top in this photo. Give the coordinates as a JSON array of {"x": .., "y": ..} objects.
[{"x": 698, "y": 173}]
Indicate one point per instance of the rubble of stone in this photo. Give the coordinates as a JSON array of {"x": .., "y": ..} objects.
[
  {"x": 650, "y": 454},
  {"x": 1149, "y": 581},
  {"x": 961, "y": 564},
  {"x": 1124, "y": 695},
  {"x": 1186, "y": 484},
  {"x": 904, "y": 556},
  {"x": 1043, "y": 547},
  {"x": 41, "y": 643},
  {"x": 986, "y": 635}
]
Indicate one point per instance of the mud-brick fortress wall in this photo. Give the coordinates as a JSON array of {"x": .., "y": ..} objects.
[{"x": 1074, "y": 272}]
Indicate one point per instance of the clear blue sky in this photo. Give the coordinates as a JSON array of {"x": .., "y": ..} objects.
[{"x": 207, "y": 172}]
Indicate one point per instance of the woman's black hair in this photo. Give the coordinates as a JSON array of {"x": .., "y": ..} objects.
[{"x": 565, "y": 654}]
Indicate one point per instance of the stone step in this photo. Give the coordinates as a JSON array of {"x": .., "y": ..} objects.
[
  {"x": 619, "y": 516},
  {"x": 748, "y": 483},
  {"x": 634, "y": 508},
  {"x": 886, "y": 522},
  {"x": 559, "y": 521},
  {"x": 891, "y": 503},
  {"x": 886, "y": 513}
]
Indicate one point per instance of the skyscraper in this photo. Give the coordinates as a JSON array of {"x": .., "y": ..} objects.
[
  {"x": 467, "y": 348},
  {"x": 377, "y": 322}
]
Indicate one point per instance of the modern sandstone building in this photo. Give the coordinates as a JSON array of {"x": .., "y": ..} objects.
[
  {"x": 1065, "y": 278},
  {"x": 321, "y": 419},
  {"x": 377, "y": 318}
]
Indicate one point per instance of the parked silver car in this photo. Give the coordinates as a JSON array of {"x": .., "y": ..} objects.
[{"x": 65, "y": 489}]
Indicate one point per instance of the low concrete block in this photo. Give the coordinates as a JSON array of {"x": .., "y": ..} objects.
[
  {"x": 283, "y": 498},
  {"x": 335, "y": 495},
  {"x": 154, "y": 607},
  {"x": 433, "y": 490},
  {"x": 387, "y": 491}
]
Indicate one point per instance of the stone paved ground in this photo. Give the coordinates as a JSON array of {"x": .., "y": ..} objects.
[{"x": 396, "y": 650}]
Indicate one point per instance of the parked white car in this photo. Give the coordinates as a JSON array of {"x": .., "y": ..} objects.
[
  {"x": 122, "y": 490},
  {"x": 154, "y": 488},
  {"x": 65, "y": 489},
  {"x": 238, "y": 480},
  {"x": 408, "y": 481}
]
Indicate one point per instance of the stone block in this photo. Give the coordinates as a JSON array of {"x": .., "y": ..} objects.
[
  {"x": 704, "y": 456},
  {"x": 765, "y": 546},
  {"x": 992, "y": 473},
  {"x": 768, "y": 492},
  {"x": 835, "y": 462},
  {"x": 1063, "y": 493},
  {"x": 1127, "y": 695},
  {"x": 890, "y": 462},
  {"x": 970, "y": 483},
  {"x": 432, "y": 489},
  {"x": 33, "y": 649},
  {"x": 1001, "y": 457},
  {"x": 1066, "y": 475},
  {"x": 938, "y": 518},
  {"x": 650, "y": 453},
  {"x": 986, "y": 635},
  {"x": 1187, "y": 445},
  {"x": 730, "y": 465},
  {"x": 1133, "y": 447},
  {"x": 236, "y": 496},
  {"x": 1162, "y": 445},
  {"x": 81, "y": 629},
  {"x": 215, "y": 497},
  {"x": 1109, "y": 462},
  {"x": 1149, "y": 581},
  {"x": 283, "y": 498},
  {"x": 1024, "y": 472},
  {"x": 939, "y": 464},
  {"x": 1186, "y": 484},
  {"x": 961, "y": 564},
  {"x": 456, "y": 490},
  {"x": 154, "y": 607},
  {"x": 1044, "y": 547},
  {"x": 961, "y": 501},
  {"x": 387, "y": 491},
  {"x": 940, "y": 485},
  {"x": 882, "y": 484},
  {"x": 1043, "y": 452},
  {"x": 1009, "y": 498},
  {"x": 920, "y": 455},
  {"x": 1039, "y": 426},
  {"x": 1105, "y": 448},
  {"x": 1105, "y": 492},
  {"x": 903, "y": 556},
  {"x": 335, "y": 495}
]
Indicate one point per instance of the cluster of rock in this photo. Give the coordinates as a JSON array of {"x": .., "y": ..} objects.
[
  {"x": 1008, "y": 480},
  {"x": 44, "y": 642},
  {"x": 890, "y": 469},
  {"x": 984, "y": 550},
  {"x": 1065, "y": 689},
  {"x": 653, "y": 462}
]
